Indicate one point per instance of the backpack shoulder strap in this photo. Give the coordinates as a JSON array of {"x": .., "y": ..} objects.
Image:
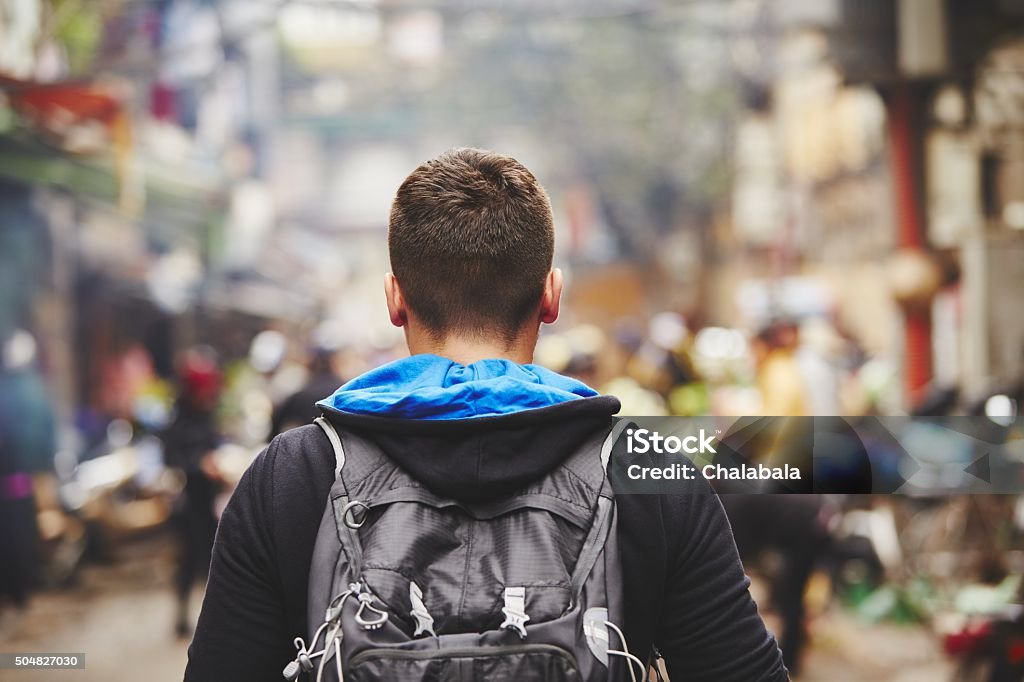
[
  {"x": 609, "y": 442},
  {"x": 604, "y": 517},
  {"x": 339, "y": 524},
  {"x": 332, "y": 435},
  {"x": 589, "y": 464}
]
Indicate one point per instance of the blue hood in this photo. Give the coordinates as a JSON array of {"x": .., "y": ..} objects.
[{"x": 435, "y": 388}]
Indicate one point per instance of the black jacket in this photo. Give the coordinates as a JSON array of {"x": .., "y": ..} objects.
[{"x": 685, "y": 588}]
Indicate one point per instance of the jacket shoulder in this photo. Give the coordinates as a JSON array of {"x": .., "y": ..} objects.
[
  {"x": 298, "y": 458},
  {"x": 301, "y": 441}
]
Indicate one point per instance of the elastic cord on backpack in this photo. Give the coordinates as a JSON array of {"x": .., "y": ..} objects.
[
  {"x": 304, "y": 661},
  {"x": 337, "y": 659},
  {"x": 332, "y": 637},
  {"x": 624, "y": 652}
]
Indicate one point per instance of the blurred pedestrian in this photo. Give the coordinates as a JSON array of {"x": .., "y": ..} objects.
[
  {"x": 779, "y": 378},
  {"x": 300, "y": 407},
  {"x": 818, "y": 357},
  {"x": 795, "y": 527},
  {"x": 189, "y": 443},
  {"x": 19, "y": 534},
  {"x": 27, "y": 446}
]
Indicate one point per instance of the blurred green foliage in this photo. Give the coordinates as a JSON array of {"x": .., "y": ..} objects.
[{"x": 77, "y": 25}]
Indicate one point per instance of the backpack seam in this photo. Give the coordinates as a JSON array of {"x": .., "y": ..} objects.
[
  {"x": 460, "y": 504},
  {"x": 362, "y": 479},
  {"x": 583, "y": 481},
  {"x": 568, "y": 502},
  {"x": 541, "y": 583},
  {"x": 465, "y": 573}
]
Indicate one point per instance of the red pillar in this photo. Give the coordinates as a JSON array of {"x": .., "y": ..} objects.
[{"x": 906, "y": 135}]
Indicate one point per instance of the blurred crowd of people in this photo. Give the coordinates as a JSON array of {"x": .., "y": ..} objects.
[
  {"x": 784, "y": 367},
  {"x": 154, "y": 452},
  {"x": 167, "y": 451},
  {"x": 234, "y": 405}
]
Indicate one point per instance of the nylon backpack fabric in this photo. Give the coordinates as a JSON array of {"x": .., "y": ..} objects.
[{"x": 431, "y": 588}]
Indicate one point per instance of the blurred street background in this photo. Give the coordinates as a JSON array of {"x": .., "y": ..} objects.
[{"x": 763, "y": 207}]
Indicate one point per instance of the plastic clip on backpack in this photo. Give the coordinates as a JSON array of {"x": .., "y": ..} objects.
[{"x": 407, "y": 585}]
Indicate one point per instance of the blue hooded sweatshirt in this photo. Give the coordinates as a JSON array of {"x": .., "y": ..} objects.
[{"x": 430, "y": 387}]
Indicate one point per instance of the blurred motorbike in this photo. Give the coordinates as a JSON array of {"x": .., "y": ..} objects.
[
  {"x": 62, "y": 534},
  {"x": 862, "y": 546},
  {"x": 125, "y": 491},
  {"x": 985, "y": 634},
  {"x": 128, "y": 490}
]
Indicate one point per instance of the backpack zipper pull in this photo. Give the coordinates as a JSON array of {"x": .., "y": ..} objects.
[{"x": 366, "y": 600}]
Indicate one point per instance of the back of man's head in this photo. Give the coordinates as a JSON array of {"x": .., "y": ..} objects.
[{"x": 471, "y": 241}]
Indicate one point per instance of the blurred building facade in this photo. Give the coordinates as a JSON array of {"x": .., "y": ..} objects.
[
  {"x": 191, "y": 171},
  {"x": 876, "y": 184}
]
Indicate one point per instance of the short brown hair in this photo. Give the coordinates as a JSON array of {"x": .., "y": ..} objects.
[{"x": 471, "y": 240}]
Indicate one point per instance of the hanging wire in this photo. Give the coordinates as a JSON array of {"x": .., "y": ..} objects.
[{"x": 624, "y": 652}]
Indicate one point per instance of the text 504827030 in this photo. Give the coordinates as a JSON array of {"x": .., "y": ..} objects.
[{"x": 42, "y": 661}]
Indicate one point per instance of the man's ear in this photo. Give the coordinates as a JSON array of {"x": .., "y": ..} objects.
[
  {"x": 396, "y": 303},
  {"x": 552, "y": 297}
]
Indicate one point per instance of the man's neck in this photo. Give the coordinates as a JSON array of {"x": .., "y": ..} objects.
[{"x": 467, "y": 350}]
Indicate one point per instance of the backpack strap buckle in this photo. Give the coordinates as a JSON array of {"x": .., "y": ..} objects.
[
  {"x": 515, "y": 610},
  {"x": 424, "y": 621}
]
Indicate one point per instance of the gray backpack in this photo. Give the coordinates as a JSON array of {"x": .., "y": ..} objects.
[{"x": 407, "y": 585}]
